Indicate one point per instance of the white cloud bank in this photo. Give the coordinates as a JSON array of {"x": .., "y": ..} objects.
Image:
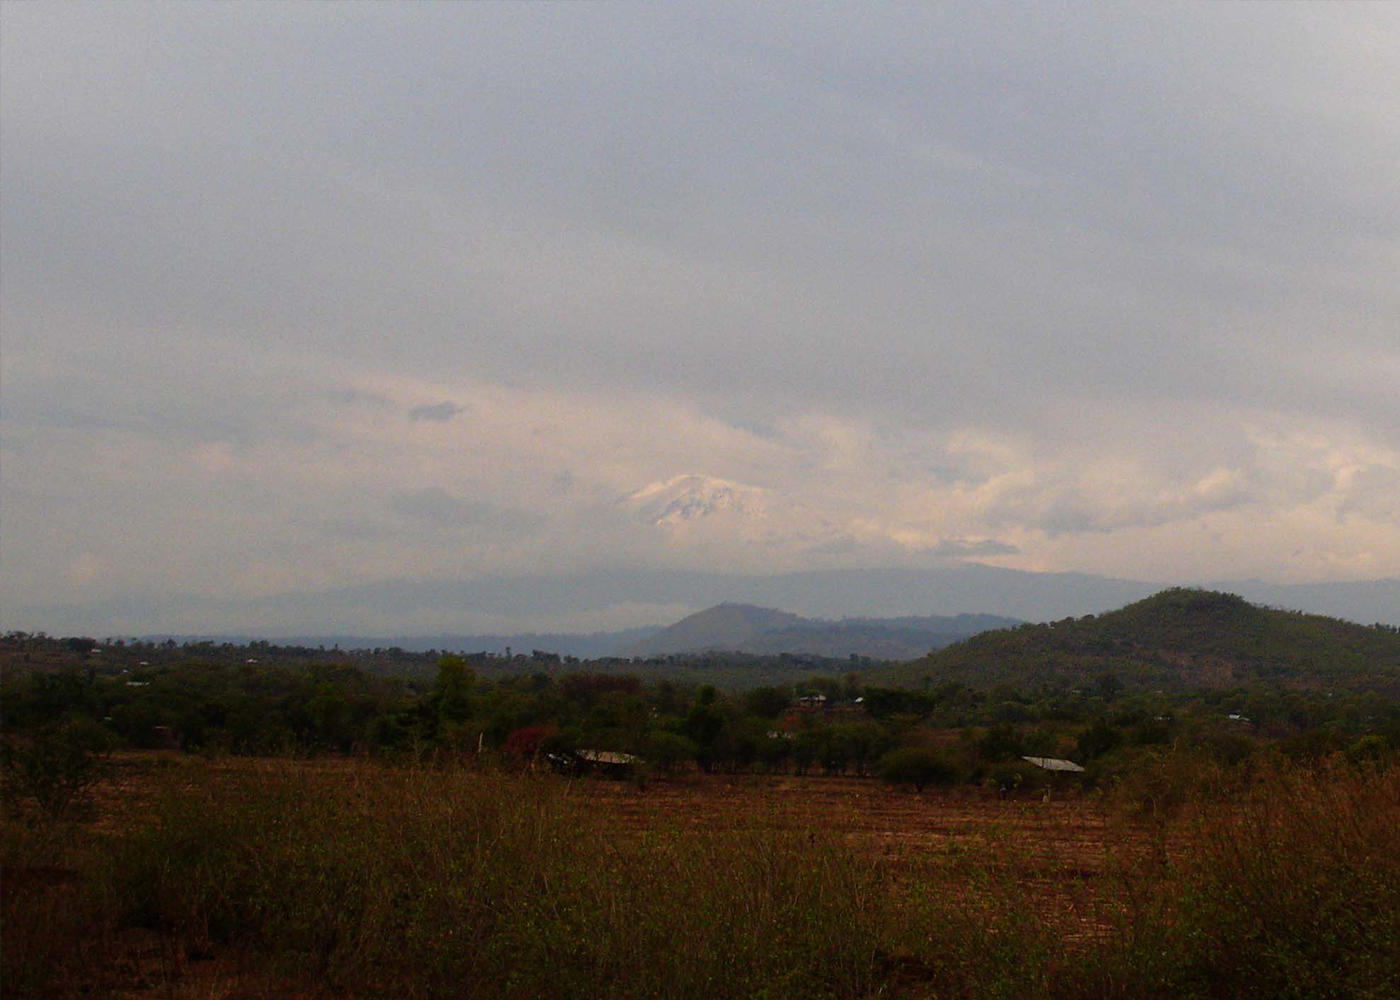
[{"x": 530, "y": 481}]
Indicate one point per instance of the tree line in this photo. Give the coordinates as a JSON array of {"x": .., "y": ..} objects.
[{"x": 273, "y": 703}]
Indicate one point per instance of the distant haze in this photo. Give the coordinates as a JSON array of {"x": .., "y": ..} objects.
[
  {"x": 590, "y": 602},
  {"x": 400, "y": 319},
  {"x": 746, "y": 628}
]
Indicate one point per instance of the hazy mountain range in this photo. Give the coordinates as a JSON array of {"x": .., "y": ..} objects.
[
  {"x": 746, "y": 628},
  {"x": 584, "y": 645},
  {"x": 742, "y": 628},
  {"x": 613, "y": 599}
]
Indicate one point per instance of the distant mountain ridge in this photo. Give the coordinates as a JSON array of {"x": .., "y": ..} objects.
[
  {"x": 747, "y": 628},
  {"x": 724, "y": 626},
  {"x": 584, "y": 645},
  {"x": 613, "y": 595},
  {"x": 1179, "y": 638}
]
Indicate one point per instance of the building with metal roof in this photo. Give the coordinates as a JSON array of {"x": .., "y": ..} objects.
[{"x": 1054, "y": 763}]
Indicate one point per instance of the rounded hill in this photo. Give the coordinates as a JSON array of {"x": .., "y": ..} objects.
[{"x": 1179, "y": 638}]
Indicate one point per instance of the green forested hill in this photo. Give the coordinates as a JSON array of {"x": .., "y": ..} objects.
[{"x": 1176, "y": 639}]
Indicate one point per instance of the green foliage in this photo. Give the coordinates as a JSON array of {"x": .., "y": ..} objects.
[
  {"x": 703, "y": 725},
  {"x": 1000, "y": 743},
  {"x": 865, "y": 743},
  {"x": 451, "y": 699},
  {"x": 1098, "y": 740},
  {"x": 217, "y": 699},
  {"x": 767, "y": 702},
  {"x": 1178, "y": 639},
  {"x": 666, "y": 751},
  {"x": 1369, "y": 751},
  {"x": 917, "y": 766}
]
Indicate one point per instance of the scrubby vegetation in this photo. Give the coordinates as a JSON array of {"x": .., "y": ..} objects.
[
  {"x": 324, "y": 826},
  {"x": 1179, "y": 639},
  {"x": 359, "y": 879}
]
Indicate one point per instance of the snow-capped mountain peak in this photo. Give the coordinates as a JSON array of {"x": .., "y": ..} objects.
[{"x": 689, "y": 496}]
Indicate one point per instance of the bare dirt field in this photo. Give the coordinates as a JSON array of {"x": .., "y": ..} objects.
[{"x": 1058, "y": 847}]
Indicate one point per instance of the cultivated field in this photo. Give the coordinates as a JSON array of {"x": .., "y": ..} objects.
[
  {"x": 1057, "y": 846},
  {"x": 333, "y": 877}
]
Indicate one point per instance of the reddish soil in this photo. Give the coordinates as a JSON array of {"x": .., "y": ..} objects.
[
  {"x": 898, "y": 822},
  {"x": 1060, "y": 847}
]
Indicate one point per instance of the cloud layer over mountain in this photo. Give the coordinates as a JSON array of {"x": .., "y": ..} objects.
[{"x": 298, "y": 297}]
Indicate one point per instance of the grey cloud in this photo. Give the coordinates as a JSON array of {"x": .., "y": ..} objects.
[
  {"x": 352, "y": 396},
  {"x": 177, "y": 394},
  {"x": 841, "y": 545},
  {"x": 1077, "y": 493},
  {"x": 336, "y": 531},
  {"x": 1374, "y": 492},
  {"x": 963, "y": 548},
  {"x": 1039, "y": 229},
  {"x": 1071, "y": 512},
  {"x": 439, "y": 412},
  {"x": 1074, "y": 510},
  {"x": 1089, "y": 231},
  {"x": 437, "y": 506},
  {"x": 562, "y": 482}
]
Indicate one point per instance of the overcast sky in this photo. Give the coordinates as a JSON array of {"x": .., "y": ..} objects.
[{"x": 296, "y": 297}]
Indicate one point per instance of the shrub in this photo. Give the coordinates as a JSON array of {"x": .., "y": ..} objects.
[
  {"x": 1295, "y": 892},
  {"x": 1369, "y": 751},
  {"x": 54, "y": 769},
  {"x": 666, "y": 751},
  {"x": 917, "y": 766},
  {"x": 525, "y": 743}
]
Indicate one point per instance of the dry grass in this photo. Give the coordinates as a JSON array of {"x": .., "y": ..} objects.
[{"x": 281, "y": 878}]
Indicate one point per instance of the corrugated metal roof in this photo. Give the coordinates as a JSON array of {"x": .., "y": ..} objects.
[
  {"x": 607, "y": 757},
  {"x": 1054, "y": 763}
]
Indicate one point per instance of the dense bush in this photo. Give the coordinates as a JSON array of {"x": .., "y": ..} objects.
[
  {"x": 917, "y": 766},
  {"x": 1294, "y": 891}
]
